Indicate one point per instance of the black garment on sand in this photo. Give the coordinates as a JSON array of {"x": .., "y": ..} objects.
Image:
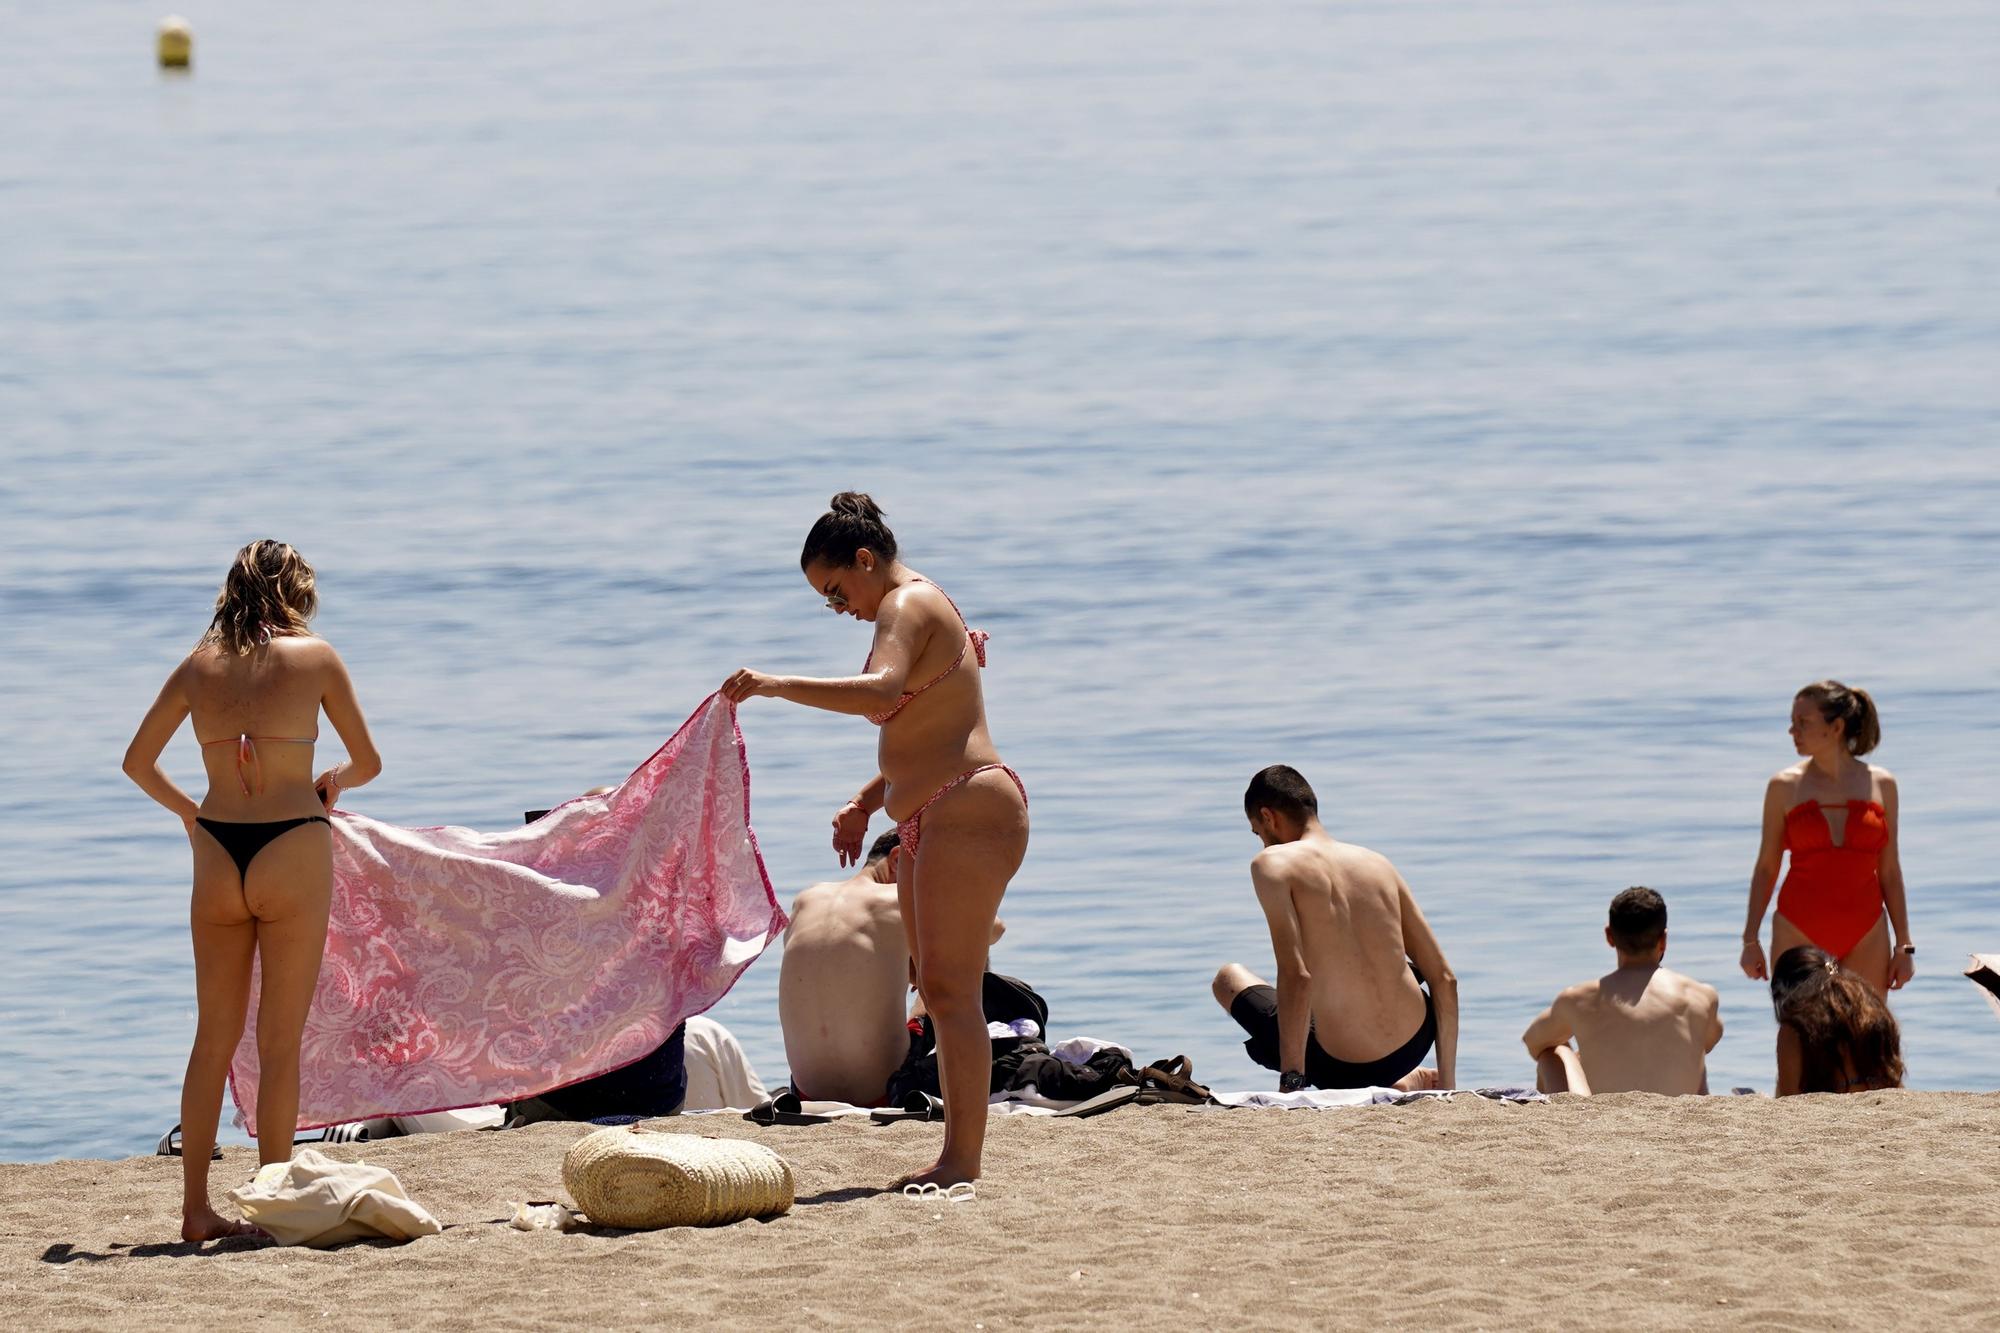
[
  {"x": 1005, "y": 999},
  {"x": 1256, "y": 1012},
  {"x": 654, "y": 1084}
]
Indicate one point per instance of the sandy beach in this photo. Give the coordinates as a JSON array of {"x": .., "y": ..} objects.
[{"x": 1815, "y": 1212}]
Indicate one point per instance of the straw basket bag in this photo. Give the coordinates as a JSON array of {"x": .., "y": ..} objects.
[{"x": 624, "y": 1177}]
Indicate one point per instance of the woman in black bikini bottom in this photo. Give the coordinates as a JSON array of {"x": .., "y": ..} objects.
[{"x": 262, "y": 842}]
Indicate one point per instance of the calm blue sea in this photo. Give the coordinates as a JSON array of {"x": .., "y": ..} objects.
[{"x": 1494, "y": 409}]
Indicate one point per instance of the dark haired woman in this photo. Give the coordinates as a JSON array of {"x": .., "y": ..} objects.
[
  {"x": 962, "y": 813},
  {"x": 1834, "y": 1032},
  {"x": 1836, "y": 815},
  {"x": 263, "y": 872}
]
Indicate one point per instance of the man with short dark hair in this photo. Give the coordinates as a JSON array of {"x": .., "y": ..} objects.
[
  {"x": 1354, "y": 953},
  {"x": 842, "y": 982},
  {"x": 1638, "y": 1028}
]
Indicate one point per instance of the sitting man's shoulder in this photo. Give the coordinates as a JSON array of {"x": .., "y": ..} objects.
[
  {"x": 1697, "y": 993},
  {"x": 1582, "y": 994}
]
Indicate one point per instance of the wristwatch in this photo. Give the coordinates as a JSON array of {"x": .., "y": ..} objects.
[
  {"x": 1910, "y": 949},
  {"x": 1292, "y": 1081}
]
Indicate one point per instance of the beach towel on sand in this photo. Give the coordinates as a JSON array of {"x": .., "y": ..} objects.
[
  {"x": 464, "y": 968},
  {"x": 314, "y": 1200}
]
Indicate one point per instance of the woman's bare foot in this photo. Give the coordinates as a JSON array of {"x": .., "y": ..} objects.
[
  {"x": 1418, "y": 1080},
  {"x": 207, "y": 1224},
  {"x": 944, "y": 1175}
]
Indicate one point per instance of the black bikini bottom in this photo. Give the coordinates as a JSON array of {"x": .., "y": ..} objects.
[{"x": 244, "y": 841}]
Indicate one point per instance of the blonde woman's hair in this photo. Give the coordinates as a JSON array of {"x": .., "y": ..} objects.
[{"x": 269, "y": 593}]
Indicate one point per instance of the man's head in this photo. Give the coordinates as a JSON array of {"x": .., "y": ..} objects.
[
  {"x": 883, "y": 856},
  {"x": 1280, "y": 804},
  {"x": 1638, "y": 926}
]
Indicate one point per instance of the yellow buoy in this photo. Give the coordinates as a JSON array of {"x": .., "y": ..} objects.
[{"x": 176, "y": 43}]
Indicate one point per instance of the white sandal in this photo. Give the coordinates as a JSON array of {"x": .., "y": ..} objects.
[{"x": 932, "y": 1192}]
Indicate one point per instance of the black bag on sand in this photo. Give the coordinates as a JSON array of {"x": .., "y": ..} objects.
[{"x": 1005, "y": 1000}]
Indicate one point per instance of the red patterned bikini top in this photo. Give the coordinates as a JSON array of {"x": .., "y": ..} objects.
[{"x": 974, "y": 638}]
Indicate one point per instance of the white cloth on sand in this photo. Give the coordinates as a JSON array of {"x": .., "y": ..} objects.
[
  {"x": 314, "y": 1200},
  {"x": 1311, "y": 1100},
  {"x": 719, "y": 1074},
  {"x": 1078, "y": 1050}
]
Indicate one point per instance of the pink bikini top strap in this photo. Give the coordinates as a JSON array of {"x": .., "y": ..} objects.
[
  {"x": 975, "y": 637},
  {"x": 246, "y": 755}
]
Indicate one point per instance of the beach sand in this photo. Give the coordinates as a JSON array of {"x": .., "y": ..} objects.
[{"x": 1873, "y": 1210}]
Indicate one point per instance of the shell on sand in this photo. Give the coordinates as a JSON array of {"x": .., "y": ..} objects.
[{"x": 625, "y": 1177}]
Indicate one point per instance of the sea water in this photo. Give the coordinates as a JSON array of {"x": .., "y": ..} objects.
[{"x": 1495, "y": 410}]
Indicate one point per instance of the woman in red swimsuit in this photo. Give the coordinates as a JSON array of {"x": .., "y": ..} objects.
[
  {"x": 263, "y": 862},
  {"x": 961, "y": 812},
  {"x": 1837, "y": 817}
]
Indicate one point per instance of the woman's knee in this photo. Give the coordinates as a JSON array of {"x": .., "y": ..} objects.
[
  {"x": 215, "y": 1046},
  {"x": 277, "y": 1047},
  {"x": 948, "y": 991}
]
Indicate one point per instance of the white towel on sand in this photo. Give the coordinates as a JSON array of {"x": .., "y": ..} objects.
[{"x": 314, "y": 1200}]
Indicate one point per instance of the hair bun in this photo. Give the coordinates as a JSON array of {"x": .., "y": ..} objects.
[{"x": 855, "y": 504}]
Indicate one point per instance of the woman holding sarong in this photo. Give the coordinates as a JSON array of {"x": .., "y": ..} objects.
[
  {"x": 263, "y": 874},
  {"x": 962, "y": 814}
]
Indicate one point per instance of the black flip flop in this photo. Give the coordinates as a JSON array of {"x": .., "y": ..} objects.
[
  {"x": 784, "y": 1108},
  {"x": 1122, "y": 1095},
  {"x": 916, "y": 1105},
  {"x": 170, "y": 1146}
]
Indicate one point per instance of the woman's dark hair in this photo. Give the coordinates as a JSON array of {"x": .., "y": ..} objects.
[
  {"x": 268, "y": 593},
  {"x": 1848, "y": 1041},
  {"x": 1283, "y": 789},
  {"x": 852, "y": 521},
  {"x": 1839, "y": 703}
]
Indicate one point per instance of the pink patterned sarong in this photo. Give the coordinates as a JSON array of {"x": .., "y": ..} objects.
[{"x": 465, "y": 968}]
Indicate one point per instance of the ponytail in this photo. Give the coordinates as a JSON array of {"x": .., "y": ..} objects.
[{"x": 1852, "y": 708}]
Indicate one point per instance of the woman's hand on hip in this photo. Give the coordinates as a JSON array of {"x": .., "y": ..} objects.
[
  {"x": 1753, "y": 961},
  {"x": 850, "y": 828},
  {"x": 748, "y": 684}
]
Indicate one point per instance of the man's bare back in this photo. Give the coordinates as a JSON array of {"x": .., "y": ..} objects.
[
  {"x": 1345, "y": 931},
  {"x": 1348, "y": 902},
  {"x": 1639, "y": 1028},
  {"x": 842, "y": 986}
]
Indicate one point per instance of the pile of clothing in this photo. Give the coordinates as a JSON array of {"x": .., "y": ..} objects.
[{"x": 1026, "y": 1067}]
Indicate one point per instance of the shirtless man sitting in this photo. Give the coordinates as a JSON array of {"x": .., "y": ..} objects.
[
  {"x": 1351, "y": 947},
  {"x": 843, "y": 981},
  {"x": 1639, "y": 1028}
]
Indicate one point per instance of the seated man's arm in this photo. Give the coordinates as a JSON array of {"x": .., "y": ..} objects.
[
  {"x": 1714, "y": 1018},
  {"x": 1428, "y": 955},
  {"x": 1274, "y": 894},
  {"x": 1554, "y": 1028}
]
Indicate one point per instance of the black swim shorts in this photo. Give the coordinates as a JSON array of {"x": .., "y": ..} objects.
[{"x": 1256, "y": 1012}]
